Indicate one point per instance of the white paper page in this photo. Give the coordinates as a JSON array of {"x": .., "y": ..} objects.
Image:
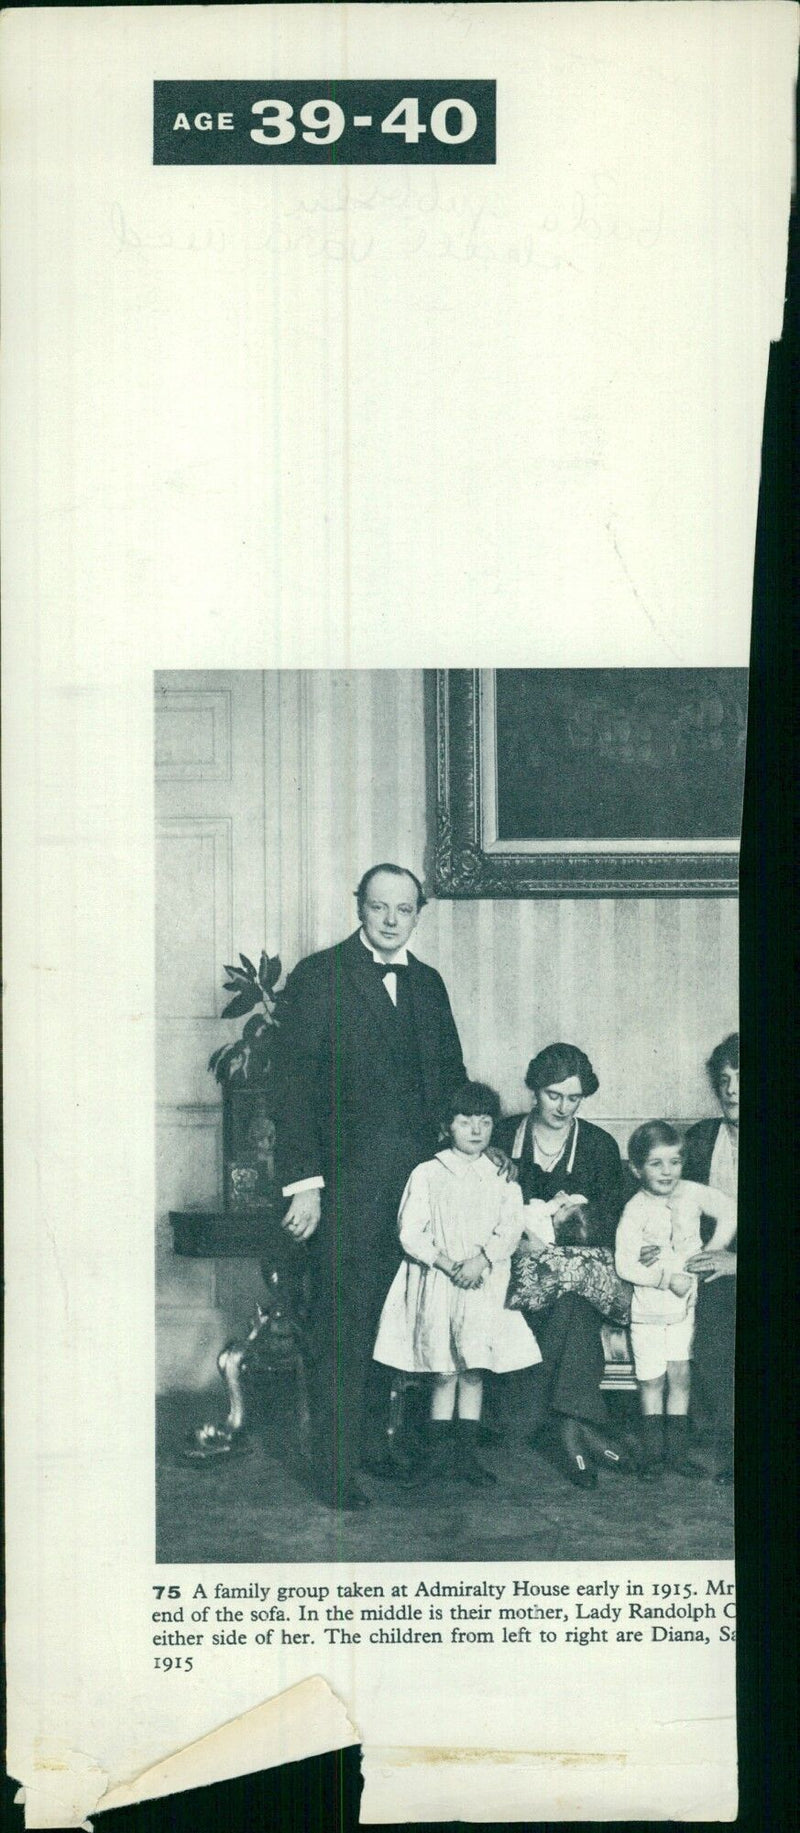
[{"x": 261, "y": 420}]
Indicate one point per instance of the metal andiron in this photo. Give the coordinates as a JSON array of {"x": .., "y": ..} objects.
[{"x": 273, "y": 1343}]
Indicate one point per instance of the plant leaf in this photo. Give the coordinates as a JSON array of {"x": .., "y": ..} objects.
[
  {"x": 244, "y": 1002},
  {"x": 254, "y": 1027},
  {"x": 251, "y": 972},
  {"x": 269, "y": 971}
]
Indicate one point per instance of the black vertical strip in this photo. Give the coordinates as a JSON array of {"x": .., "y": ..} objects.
[{"x": 768, "y": 1283}]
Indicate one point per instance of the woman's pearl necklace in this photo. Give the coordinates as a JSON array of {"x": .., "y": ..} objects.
[{"x": 552, "y": 1156}]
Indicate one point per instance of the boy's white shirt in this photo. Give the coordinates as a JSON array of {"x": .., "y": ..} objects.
[{"x": 674, "y": 1223}]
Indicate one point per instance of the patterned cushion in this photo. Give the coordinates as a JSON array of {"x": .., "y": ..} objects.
[{"x": 536, "y": 1280}]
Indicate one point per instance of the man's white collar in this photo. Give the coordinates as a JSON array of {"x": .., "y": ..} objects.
[{"x": 400, "y": 959}]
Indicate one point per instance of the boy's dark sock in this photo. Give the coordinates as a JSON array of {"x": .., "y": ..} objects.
[
  {"x": 468, "y": 1464},
  {"x": 652, "y": 1465},
  {"x": 677, "y": 1440}
]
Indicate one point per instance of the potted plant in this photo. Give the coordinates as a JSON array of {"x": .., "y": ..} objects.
[{"x": 244, "y": 1069}]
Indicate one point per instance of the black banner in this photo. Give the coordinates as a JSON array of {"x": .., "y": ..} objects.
[{"x": 324, "y": 122}]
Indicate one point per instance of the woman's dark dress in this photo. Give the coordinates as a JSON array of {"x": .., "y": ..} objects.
[
  {"x": 711, "y": 1404},
  {"x": 569, "y": 1331}
]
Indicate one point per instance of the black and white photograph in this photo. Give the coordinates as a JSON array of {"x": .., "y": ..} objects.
[
  {"x": 385, "y": 425},
  {"x": 448, "y": 1105}
]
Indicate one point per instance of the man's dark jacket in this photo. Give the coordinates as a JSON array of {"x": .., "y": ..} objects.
[{"x": 362, "y": 1090}]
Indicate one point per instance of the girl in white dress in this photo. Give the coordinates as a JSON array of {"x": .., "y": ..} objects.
[{"x": 445, "y": 1314}]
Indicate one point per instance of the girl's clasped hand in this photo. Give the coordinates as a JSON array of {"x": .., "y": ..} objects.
[
  {"x": 465, "y": 1273},
  {"x": 451, "y": 1203},
  {"x": 471, "y": 1272}
]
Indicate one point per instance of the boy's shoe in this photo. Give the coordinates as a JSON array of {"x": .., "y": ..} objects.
[
  {"x": 677, "y": 1445},
  {"x": 651, "y": 1472}
]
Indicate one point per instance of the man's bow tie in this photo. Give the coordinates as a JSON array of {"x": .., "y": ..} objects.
[{"x": 391, "y": 967}]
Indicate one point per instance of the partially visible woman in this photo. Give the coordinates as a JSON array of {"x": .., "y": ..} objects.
[
  {"x": 564, "y": 1163},
  {"x": 712, "y": 1157}
]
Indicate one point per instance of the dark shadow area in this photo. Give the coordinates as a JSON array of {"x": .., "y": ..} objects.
[{"x": 766, "y": 1362}]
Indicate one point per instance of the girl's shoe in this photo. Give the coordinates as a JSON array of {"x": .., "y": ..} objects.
[
  {"x": 468, "y": 1465},
  {"x": 579, "y": 1468},
  {"x": 651, "y": 1472},
  {"x": 438, "y": 1463}
]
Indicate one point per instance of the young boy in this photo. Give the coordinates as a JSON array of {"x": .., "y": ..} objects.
[{"x": 658, "y": 1232}]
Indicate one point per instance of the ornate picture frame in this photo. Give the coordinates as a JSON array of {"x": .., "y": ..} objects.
[{"x": 477, "y": 857}]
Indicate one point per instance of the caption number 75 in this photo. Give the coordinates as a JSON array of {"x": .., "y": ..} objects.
[{"x": 452, "y": 121}]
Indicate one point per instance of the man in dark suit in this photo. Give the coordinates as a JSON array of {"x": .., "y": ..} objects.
[{"x": 369, "y": 1053}]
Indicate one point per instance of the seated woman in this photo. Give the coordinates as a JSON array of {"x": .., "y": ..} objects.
[
  {"x": 565, "y": 1163},
  {"x": 712, "y": 1151}
]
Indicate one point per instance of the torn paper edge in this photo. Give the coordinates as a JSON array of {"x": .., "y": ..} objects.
[{"x": 67, "y": 1786}]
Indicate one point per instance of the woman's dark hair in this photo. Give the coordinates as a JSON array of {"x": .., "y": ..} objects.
[
  {"x": 556, "y": 1064},
  {"x": 652, "y": 1133},
  {"x": 726, "y": 1056},
  {"x": 399, "y": 872},
  {"x": 472, "y": 1098}
]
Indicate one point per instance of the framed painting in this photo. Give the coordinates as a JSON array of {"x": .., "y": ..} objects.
[{"x": 589, "y": 782}]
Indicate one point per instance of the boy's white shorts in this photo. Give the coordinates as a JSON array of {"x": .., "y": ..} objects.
[{"x": 654, "y": 1345}]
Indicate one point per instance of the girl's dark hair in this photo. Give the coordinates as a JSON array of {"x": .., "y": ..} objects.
[
  {"x": 556, "y": 1064},
  {"x": 472, "y": 1098},
  {"x": 653, "y": 1133},
  {"x": 399, "y": 872},
  {"x": 726, "y": 1056}
]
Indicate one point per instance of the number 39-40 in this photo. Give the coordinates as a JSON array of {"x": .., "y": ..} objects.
[{"x": 453, "y": 121}]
